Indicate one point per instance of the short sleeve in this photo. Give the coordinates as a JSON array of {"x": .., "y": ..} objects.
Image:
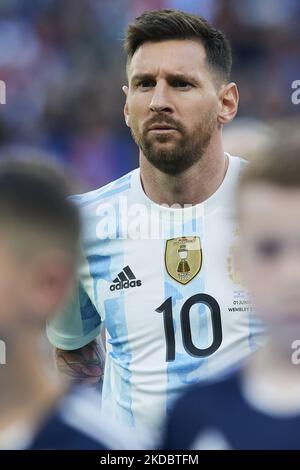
[{"x": 77, "y": 324}]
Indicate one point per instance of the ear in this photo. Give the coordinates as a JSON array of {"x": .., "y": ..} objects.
[
  {"x": 52, "y": 278},
  {"x": 126, "y": 112},
  {"x": 228, "y": 100}
]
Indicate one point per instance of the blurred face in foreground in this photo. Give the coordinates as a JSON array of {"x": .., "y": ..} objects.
[
  {"x": 270, "y": 255},
  {"x": 32, "y": 285},
  {"x": 174, "y": 104},
  {"x": 12, "y": 279}
]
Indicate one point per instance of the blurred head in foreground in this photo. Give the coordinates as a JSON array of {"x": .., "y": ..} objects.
[
  {"x": 39, "y": 236},
  {"x": 39, "y": 245},
  {"x": 268, "y": 211}
]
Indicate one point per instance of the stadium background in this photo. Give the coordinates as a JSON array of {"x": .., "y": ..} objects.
[{"x": 63, "y": 66}]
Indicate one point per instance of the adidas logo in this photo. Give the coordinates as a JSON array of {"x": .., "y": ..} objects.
[{"x": 125, "y": 279}]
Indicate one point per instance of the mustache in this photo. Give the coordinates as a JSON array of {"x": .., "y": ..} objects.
[{"x": 163, "y": 120}]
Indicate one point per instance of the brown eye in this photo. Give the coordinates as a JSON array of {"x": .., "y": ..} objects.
[
  {"x": 146, "y": 84},
  {"x": 181, "y": 84}
]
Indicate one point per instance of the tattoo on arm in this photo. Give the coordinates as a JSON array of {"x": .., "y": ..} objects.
[{"x": 84, "y": 365}]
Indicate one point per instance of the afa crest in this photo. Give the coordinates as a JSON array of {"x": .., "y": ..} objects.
[{"x": 183, "y": 258}]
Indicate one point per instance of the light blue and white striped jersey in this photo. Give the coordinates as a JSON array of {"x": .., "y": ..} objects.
[{"x": 163, "y": 282}]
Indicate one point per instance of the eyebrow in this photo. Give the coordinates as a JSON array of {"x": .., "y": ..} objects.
[{"x": 172, "y": 76}]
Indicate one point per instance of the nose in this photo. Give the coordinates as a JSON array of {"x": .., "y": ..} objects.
[{"x": 160, "y": 102}]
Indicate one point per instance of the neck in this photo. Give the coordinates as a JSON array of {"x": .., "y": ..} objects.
[
  {"x": 27, "y": 389},
  {"x": 193, "y": 186}
]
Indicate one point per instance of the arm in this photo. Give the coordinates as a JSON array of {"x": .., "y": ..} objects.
[
  {"x": 74, "y": 333},
  {"x": 84, "y": 365}
]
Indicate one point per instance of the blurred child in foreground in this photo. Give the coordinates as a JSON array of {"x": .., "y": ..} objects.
[
  {"x": 39, "y": 240},
  {"x": 258, "y": 405}
]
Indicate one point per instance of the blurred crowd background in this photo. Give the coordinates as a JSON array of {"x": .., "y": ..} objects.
[{"x": 63, "y": 64}]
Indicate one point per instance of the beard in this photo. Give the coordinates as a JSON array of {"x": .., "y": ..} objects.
[{"x": 180, "y": 153}]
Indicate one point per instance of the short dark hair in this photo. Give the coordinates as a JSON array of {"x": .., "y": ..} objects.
[
  {"x": 34, "y": 204},
  {"x": 160, "y": 25}
]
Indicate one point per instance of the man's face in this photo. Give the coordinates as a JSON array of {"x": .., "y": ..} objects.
[
  {"x": 172, "y": 103},
  {"x": 270, "y": 255}
]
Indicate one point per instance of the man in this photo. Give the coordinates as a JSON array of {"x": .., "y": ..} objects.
[
  {"x": 39, "y": 236},
  {"x": 157, "y": 274},
  {"x": 258, "y": 406}
]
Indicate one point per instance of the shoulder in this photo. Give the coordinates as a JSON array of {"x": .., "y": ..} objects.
[
  {"x": 237, "y": 162},
  {"x": 77, "y": 423},
  {"x": 101, "y": 210},
  {"x": 107, "y": 193}
]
